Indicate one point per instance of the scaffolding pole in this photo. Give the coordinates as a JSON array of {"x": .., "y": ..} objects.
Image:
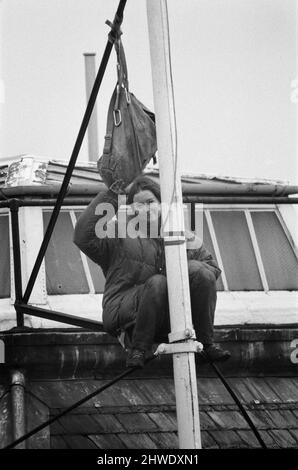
[{"x": 173, "y": 228}]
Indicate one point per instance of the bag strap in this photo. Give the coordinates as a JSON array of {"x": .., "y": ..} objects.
[
  {"x": 110, "y": 124},
  {"x": 121, "y": 65},
  {"x": 121, "y": 61},
  {"x": 122, "y": 80}
]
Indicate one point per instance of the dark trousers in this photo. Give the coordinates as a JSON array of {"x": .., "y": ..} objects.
[{"x": 152, "y": 321}]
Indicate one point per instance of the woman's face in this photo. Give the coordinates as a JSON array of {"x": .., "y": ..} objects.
[{"x": 147, "y": 205}]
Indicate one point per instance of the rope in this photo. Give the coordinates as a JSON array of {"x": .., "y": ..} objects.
[
  {"x": 236, "y": 399},
  {"x": 72, "y": 407}
]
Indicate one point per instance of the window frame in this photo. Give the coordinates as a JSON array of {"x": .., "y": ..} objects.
[
  {"x": 208, "y": 209},
  {"x": 72, "y": 213},
  {"x": 234, "y": 307},
  {"x": 247, "y": 209}
]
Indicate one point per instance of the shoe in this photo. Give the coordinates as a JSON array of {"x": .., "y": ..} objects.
[
  {"x": 135, "y": 358},
  {"x": 216, "y": 354}
]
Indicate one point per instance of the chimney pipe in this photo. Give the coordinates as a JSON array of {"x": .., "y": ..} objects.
[{"x": 92, "y": 127}]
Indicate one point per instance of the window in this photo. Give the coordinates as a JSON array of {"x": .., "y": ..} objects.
[
  {"x": 4, "y": 257},
  {"x": 202, "y": 230},
  {"x": 236, "y": 250},
  {"x": 278, "y": 256},
  {"x": 252, "y": 247},
  {"x": 68, "y": 270},
  {"x": 209, "y": 245}
]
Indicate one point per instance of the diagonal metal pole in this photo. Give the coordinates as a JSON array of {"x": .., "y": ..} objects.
[
  {"x": 115, "y": 27},
  {"x": 58, "y": 316},
  {"x": 74, "y": 406},
  {"x": 238, "y": 402}
]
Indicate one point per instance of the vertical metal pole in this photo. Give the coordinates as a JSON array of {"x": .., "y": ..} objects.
[
  {"x": 90, "y": 75},
  {"x": 14, "y": 211},
  {"x": 18, "y": 407},
  {"x": 175, "y": 246},
  {"x": 192, "y": 216}
]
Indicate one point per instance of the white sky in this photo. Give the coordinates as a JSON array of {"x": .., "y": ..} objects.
[{"x": 233, "y": 64}]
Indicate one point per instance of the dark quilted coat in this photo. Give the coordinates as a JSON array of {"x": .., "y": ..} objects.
[{"x": 126, "y": 263}]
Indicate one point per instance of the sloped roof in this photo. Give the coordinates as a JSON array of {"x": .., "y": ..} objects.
[
  {"x": 140, "y": 414},
  {"x": 62, "y": 367}
]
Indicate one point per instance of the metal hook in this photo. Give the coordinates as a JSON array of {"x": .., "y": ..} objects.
[
  {"x": 117, "y": 113},
  {"x": 127, "y": 96}
]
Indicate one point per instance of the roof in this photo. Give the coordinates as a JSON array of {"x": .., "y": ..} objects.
[
  {"x": 30, "y": 174},
  {"x": 140, "y": 414}
]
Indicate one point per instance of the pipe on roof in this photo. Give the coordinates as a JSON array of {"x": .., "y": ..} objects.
[
  {"x": 218, "y": 189},
  {"x": 18, "y": 406},
  {"x": 90, "y": 75},
  {"x": 216, "y": 186},
  {"x": 84, "y": 201}
]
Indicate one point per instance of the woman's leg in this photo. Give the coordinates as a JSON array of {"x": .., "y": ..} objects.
[
  {"x": 203, "y": 300},
  {"x": 152, "y": 317}
]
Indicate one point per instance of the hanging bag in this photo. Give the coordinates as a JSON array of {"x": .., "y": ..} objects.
[{"x": 130, "y": 140}]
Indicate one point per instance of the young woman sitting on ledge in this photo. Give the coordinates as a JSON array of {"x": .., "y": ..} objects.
[{"x": 134, "y": 268}]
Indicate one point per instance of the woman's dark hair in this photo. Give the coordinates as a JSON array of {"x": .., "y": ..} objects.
[{"x": 143, "y": 183}]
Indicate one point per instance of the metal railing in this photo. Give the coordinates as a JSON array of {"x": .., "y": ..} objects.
[{"x": 21, "y": 301}]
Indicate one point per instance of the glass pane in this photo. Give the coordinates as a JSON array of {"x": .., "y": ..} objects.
[
  {"x": 236, "y": 250},
  {"x": 4, "y": 257},
  {"x": 64, "y": 268},
  {"x": 95, "y": 270},
  {"x": 97, "y": 276},
  {"x": 209, "y": 245},
  {"x": 279, "y": 259}
]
